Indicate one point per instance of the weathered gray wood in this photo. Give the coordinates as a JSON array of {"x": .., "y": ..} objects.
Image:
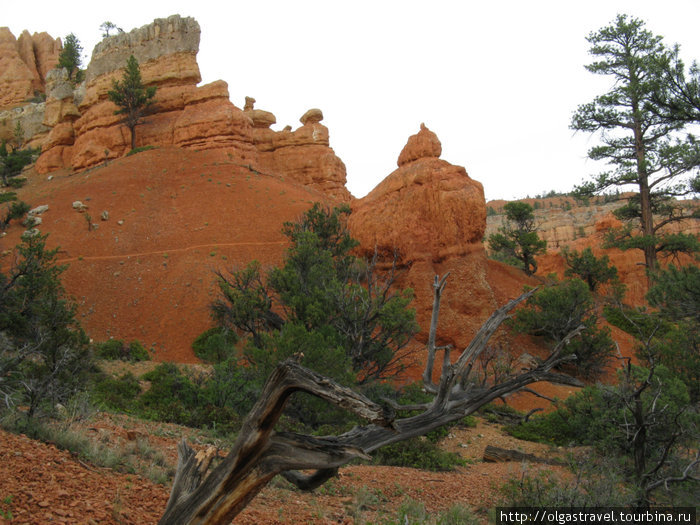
[{"x": 260, "y": 453}]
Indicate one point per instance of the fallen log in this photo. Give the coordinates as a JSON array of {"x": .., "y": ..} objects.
[{"x": 497, "y": 455}]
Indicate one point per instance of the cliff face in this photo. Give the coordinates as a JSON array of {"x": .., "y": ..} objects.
[
  {"x": 85, "y": 132},
  {"x": 24, "y": 63}
]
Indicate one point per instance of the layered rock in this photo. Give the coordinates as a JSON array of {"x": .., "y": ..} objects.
[
  {"x": 78, "y": 128},
  {"x": 24, "y": 63},
  {"x": 303, "y": 155}
]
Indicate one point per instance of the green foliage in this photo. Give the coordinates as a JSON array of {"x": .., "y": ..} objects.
[
  {"x": 644, "y": 423},
  {"x": 117, "y": 394},
  {"x": 44, "y": 355},
  {"x": 517, "y": 242},
  {"x": 233, "y": 386},
  {"x": 642, "y": 147},
  {"x": 16, "y": 182},
  {"x": 139, "y": 150},
  {"x": 8, "y": 196},
  {"x": 676, "y": 293},
  {"x": 215, "y": 345},
  {"x": 115, "y": 349},
  {"x": 245, "y": 304},
  {"x": 590, "y": 269},
  {"x": 582, "y": 419},
  {"x": 69, "y": 57},
  {"x": 131, "y": 97},
  {"x": 678, "y": 96},
  {"x": 12, "y": 162},
  {"x": 17, "y": 210},
  {"x": 420, "y": 453},
  {"x": 555, "y": 311},
  {"x": 324, "y": 305},
  {"x": 176, "y": 397}
]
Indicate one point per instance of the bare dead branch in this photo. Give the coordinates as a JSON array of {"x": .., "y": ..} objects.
[{"x": 260, "y": 453}]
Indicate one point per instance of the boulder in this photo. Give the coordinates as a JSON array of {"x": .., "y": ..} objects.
[
  {"x": 261, "y": 119},
  {"x": 312, "y": 116}
]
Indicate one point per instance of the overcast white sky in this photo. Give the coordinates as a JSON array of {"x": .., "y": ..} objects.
[{"x": 497, "y": 81}]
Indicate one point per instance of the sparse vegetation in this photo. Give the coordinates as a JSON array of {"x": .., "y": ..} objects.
[{"x": 420, "y": 453}]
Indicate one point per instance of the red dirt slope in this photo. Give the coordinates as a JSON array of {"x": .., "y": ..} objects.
[{"x": 174, "y": 216}]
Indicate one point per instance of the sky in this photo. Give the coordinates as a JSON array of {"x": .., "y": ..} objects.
[{"x": 497, "y": 81}]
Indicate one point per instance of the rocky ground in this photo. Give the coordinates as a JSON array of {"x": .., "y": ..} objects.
[{"x": 41, "y": 484}]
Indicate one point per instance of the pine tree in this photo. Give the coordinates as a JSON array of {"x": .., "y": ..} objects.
[
  {"x": 70, "y": 57},
  {"x": 644, "y": 149},
  {"x": 517, "y": 242},
  {"x": 133, "y": 98}
]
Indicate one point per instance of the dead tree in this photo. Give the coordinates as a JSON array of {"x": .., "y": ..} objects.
[{"x": 260, "y": 453}]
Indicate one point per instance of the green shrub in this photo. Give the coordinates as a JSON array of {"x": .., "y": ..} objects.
[
  {"x": 117, "y": 394},
  {"x": 420, "y": 453},
  {"x": 16, "y": 182},
  {"x": 139, "y": 150},
  {"x": 215, "y": 345},
  {"x": 8, "y": 197},
  {"x": 174, "y": 398},
  {"x": 16, "y": 211},
  {"x": 555, "y": 311},
  {"x": 115, "y": 349}
]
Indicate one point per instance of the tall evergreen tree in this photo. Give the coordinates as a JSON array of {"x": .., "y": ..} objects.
[
  {"x": 133, "y": 98},
  {"x": 644, "y": 149},
  {"x": 69, "y": 57}
]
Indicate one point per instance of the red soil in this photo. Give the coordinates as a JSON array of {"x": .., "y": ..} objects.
[{"x": 175, "y": 216}]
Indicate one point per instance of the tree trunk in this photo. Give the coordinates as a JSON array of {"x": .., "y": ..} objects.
[
  {"x": 647, "y": 219},
  {"x": 132, "y": 129}
]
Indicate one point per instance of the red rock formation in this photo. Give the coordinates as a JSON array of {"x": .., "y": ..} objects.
[
  {"x": 24, "y": 63},
  {"x": 184, "y": 115},
  {"x": 304, "y": 155},
  {"x": 441, "y": 210},
  {"x": 434, "y": 214},
  {"x": 422, "y": 145},
  {"x": 16, "y": 79}
]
